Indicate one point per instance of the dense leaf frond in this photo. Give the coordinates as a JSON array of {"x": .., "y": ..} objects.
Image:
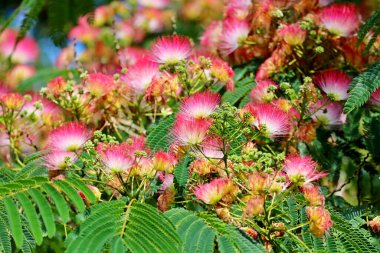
[{"x": 362, "y": 86}]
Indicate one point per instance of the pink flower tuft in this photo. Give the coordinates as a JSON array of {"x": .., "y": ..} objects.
[
  {"x": 200, "y": 105},
  {"x": 214, "y": 191},
  {"x": 156, "y": 4},
  {"x": 234, "y": 33},
  {"x": 375, "y": 98},
  {"x": 18, "y": 74},
  {"x": 261, "y": 92},
  {"x": 292, "y": 34},
  {"x": 69, "y": 137},
  {"x": 313, "y": 195},
  {"x": 163, "y": 161},
  {"x": 130, "y": 55},
  {"x": 340, "y": 19},
  {"x": 334, "y": 83},
  {"x": 237, "y": 8},
  {"x": 26, "y": 51},
  {"x": 271, "y": 120},
  {"x": 59, "y": 160},
  {"x": 84, "y": 31},
  {"x": 140, "y": 75},
  {"x": 329, "y": 114},
  {"x": 190, "y": 131},
  {"x": 212, "y": 148},
  {"x": 302, "y": 170},
  {"x": 12, "y": 101},
  {"x": 170, "y": 49},
  {"x": 115, "y": 157},
  {"x": 99, "y": 84},
  {"x": 320, "y": 220},
  {"x": 211, "y": 35}
]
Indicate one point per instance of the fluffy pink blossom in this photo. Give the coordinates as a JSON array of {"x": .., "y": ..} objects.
[
  {"x": 320, "y": 220},
  {"x": 211, "y": 35},
  {"x": 211, "y": 193},
  {"x": 115, "y": 158},
  {"x": 261, "y": 92},
  {"x": 340, "y": 19},
  {"x": 334, "y": 83},
  {"x": 84, "y": 31},
  {"x": 238, "y": 9},
  {"x": 163, "y": 161},
  {"x": 158, "y": 4},
  {"x": 26, "y": 51},
  {"x": 12, "y": 101},
  {"x": 212, "y": 148},
  {"x": 292, "y": 34},
  {"x": 190, "y": 131},
  {"x": 328, "y": 114},
  {"x": 140, "y": 75},
  {"x": 234, "y": 33},
  {"x": 69, "y": 137},
  {"x": 375, "y": 98},
  {"x": 375, "y": 224},
  {"x": 313, "y": 195},
  {"x": 99, "y": 84},
  {"x": 302, "y": 170},
  {"x": 170, "y": 49},
  {"x": 270, "y": 119},
  {"x": 200, "y": 105},
  {"x": 130, "y": 55},
  {"x": 59, "y": 160},
  {"x": 18, "y": 74}
]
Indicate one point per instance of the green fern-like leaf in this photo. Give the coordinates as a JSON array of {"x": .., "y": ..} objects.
[
  {"x": 117, "y": 245},
  {"x": 242, "y": 89},
  {"x": 373, "y": 23},
  {"x": 108, "y": 224},
  {"x": 26, "y": 208},
  {"x": 5, "y": 240},
  {"x": 158, "y": 134},
  {"x": 72, "y": 194},
  {"x": 32, "y": 217},
  {"x": 194, "y": 232},
  {"x": 181, "y": 171},
  {"x": 59, "y": 201},
  {"x": 145, "y": 221},
  {"x": 362, "y": 86},
  {"x": 45, "y": 211},
  {"x": 14, "y": 221},
  {"x": 30, "y": 18},
  {"x": 199, "y": 232}
]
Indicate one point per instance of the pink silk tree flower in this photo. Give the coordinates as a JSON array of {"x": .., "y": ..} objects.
[
  {"x": 328, "y": 114},
  {"x": 334, "y": 83},
  {"x": 341, "y": 19},
  {"x": 211, "y": 193},
  {"x": 27, "y": 50},
  {"x": 262, "y": 93},
  {"x": 302, "y": 170},
  {"x": 292, "y": 34},
  {"x": 200, "y": 105},
  {"x": 115, "y": 158},
  {"x": 190, "y": 131},
  {"x": 70, "y": 137},
  {"x": 272, "y": 121},
  {"x": 140, "y": 75},
  {"x": 59, "y": 160},
  {"x": 99, "y": 84},
  {"x": 320, "y": 220},
  {"x": 170, "y": 49},
  {"x": 234, "y": 33}
]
